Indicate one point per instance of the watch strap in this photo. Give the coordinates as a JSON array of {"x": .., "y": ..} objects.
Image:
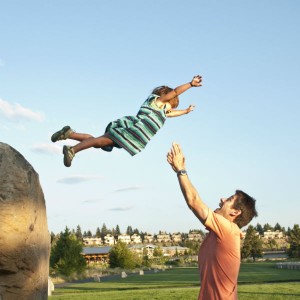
[{"x": 182, "y": 173}]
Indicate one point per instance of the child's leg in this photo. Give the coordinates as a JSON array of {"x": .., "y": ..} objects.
[
  {"x": 68, "y": 133},
  {"x": 98, "y": 142},
  {"x": 79, "y": 136},
  {"x": 87, "y": 141}
]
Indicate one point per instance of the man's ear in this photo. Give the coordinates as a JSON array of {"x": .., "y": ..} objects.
[{"x": 235, "y": 212}]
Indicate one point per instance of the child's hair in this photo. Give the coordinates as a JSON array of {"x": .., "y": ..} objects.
[{"x": 163, "y": 90}]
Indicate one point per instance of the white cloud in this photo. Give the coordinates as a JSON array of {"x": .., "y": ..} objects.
[
  {"x": 91, "y": 201},
  {"x": 16, "y": 112},
  {"x": 78, "y": 179},
  {"x": 121, "y": 208},
  {"x": 46, "y": 149},
  {"x": 131, "y": 188}
]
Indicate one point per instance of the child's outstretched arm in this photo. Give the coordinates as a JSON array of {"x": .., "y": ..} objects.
[
  {"x": 196, "y": 81},
  {"x": 179, "y": 112}
]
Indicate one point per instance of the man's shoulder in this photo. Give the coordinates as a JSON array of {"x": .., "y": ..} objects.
[{"x": 216, "y": 222}]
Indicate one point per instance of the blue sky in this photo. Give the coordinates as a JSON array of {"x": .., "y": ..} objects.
[{"x": 86, "y": 63}]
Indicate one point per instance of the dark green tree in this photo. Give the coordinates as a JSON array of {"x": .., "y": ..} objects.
[
  {"x": 129, "y": 230},
  {"x": 272, "y": 244},
  {"x": 277, "y": 227},
  {"x": 117, "y": 231},
  {"x": 66, "y": 256},
  {"x": 89, "y": 234},
  {"x": 121, "y": 257},
  {"x": 98, "y": 232},
  {"x": 267, "y": 226},
  {"x": 136, "y": 231},
  {"x": 294, "y": 241},
  {"x": 253, "y": 245},
  {"x": 142, "y": 234},
  {"x": 146, "y": 261},
  {"x": 52, "y": 237},
  {"x": 104, "y": 231},
  {"x": 259, "y": 229},
  {"x": 78, "y": 233}
]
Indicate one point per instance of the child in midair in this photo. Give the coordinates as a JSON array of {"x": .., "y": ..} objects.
[{"x": 131, "y": 133}]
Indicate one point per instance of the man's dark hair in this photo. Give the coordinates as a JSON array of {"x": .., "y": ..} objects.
[{"x": 246, "y": 204}]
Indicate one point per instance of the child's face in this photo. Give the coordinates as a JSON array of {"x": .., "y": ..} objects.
[{"x": 174, "y": 102}]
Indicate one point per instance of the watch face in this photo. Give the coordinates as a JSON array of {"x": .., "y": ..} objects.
[{"x": 182, "y": 172}]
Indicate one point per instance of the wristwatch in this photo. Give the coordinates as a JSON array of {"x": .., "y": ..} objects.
[{"x": 182, "y": 173}]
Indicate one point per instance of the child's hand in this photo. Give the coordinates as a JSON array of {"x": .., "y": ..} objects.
[
  {"x": 190, "y": 108},
  {"x": 196, "y": 81}
]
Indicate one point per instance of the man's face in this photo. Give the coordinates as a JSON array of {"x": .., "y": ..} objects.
[{"x": 225, "y": 207}]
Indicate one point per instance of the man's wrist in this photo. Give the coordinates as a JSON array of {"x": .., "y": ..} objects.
[{"x": 182, "y": 172}]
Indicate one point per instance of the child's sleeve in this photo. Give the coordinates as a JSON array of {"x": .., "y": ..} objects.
[{"x": 151, "y": 100}]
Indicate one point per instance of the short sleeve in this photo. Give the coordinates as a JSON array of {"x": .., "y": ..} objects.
[
  {"x": 151, "y": 100},
  {"x": 220, "y": 225}
]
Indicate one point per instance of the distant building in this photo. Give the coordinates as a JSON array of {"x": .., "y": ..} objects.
[
  {"x": 136, "y": 239},
  {"x": 142, "y": 250},
  {"x": 125, "y": 238},
  {"x": 163, "y": 237},
  {"x": 273, "y": 234},
  {"x": 94, "y": 255},
  {"x": 148, "y": 238},
  {"x": 176, "y": 237},
  {"x": 195, "y": 236},
  {"x": 148, "y": 250},
  {"x": 92, "y": 241},
  {"x": 109, "y": 240}
]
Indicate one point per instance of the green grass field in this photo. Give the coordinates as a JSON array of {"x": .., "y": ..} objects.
[{"x": 260, "y": 281}]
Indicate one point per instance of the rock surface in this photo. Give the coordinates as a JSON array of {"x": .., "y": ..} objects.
[{"x": 24, "y": 235}]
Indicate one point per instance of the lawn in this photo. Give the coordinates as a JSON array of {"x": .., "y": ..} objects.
[{"x": 261, "y": 281}]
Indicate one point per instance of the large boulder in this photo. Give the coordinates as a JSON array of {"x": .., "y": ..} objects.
[{"x": 24, "y": 235}]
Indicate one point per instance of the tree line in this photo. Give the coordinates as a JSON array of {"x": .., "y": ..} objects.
[
  {"x": 101, "y": 233},
  {"x": 116, "y": 231},
  {"x": 66, "y": 248}
]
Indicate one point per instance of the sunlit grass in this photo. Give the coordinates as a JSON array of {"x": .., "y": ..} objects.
[{"x": 261, "y": 281}]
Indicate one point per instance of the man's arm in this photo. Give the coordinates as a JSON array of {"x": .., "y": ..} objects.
[{"x": 177, "y": 161}]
